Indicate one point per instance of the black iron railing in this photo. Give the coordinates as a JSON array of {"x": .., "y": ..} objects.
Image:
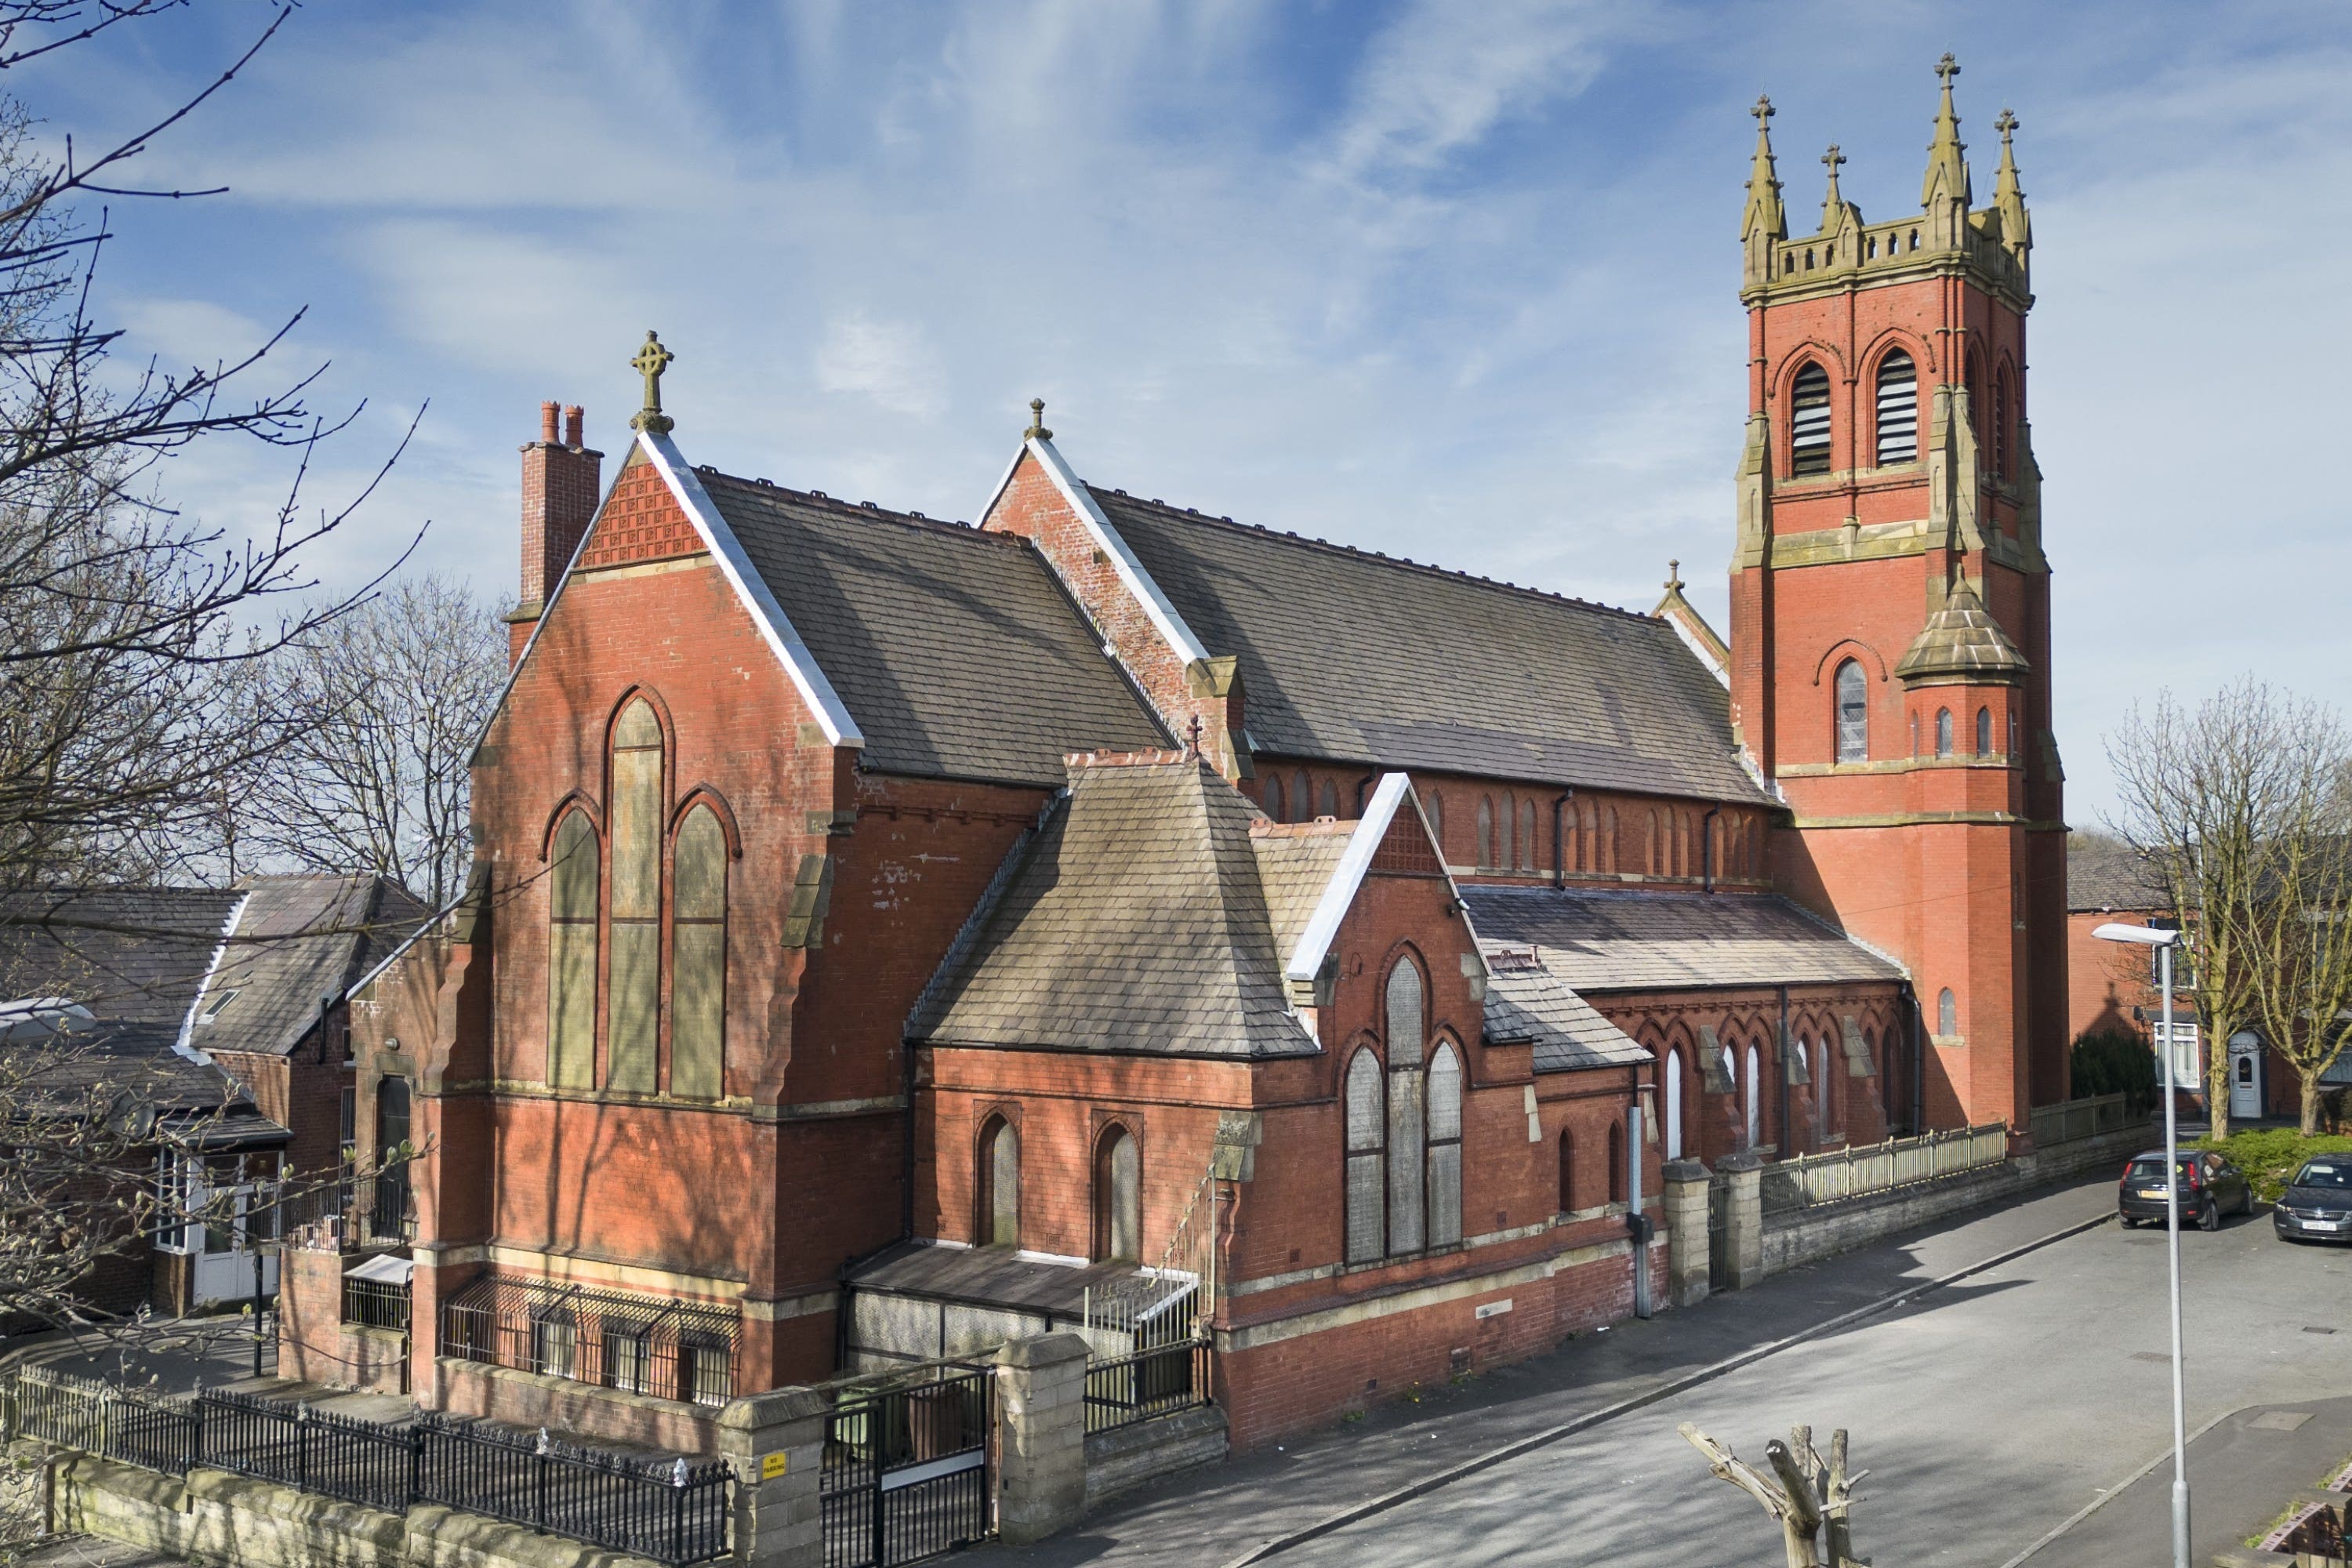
[
  {"x": 670, "y": 1510},
  {"x": 639, "y": 1344},
  {"x": 375, "y": 1303},
  {"x": 1156, "y": 1381}
]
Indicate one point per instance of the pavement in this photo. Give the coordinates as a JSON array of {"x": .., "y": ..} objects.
[{"x": 1989, "y": 1410}]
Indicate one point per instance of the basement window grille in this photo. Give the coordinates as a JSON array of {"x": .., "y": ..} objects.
[{"x": 638, "y": 1344}]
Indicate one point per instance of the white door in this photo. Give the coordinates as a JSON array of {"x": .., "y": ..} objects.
[
  {"x": 2245, "y": 1077},
  {"x": 225, "y": 1260}
]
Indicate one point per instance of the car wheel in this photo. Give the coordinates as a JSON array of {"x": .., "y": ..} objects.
[
  {"x": 2209, "y": 1216},
  {"x": 2128, "y": 1222}
]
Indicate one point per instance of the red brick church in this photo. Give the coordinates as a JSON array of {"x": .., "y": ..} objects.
[{"x": 891, "y": 934}]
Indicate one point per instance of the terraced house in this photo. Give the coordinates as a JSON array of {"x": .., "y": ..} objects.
[{"x": 892, "y": 935}]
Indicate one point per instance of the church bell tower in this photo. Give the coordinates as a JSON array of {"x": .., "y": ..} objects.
[{"x": 1890, "y": 607}]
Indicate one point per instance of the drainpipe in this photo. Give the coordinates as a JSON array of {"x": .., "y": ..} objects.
[
  {"x": 1784, "y": 1072},
  {"x": 1918, "y": 1062},
  {"x": 1706, "y": 847},
  {"x": 1559, "y": 839}
]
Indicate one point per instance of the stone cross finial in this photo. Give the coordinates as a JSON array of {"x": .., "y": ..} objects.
[
  {"x": 2005, "y": 124},
  {"x": 651, "y": 360},
  {"x": 1192, "y": 737},
  {"x": 1036, "y": 431},
  {"x": 1763, "y": 110},
  {"x": 1834, "y": 158},
  {"x": 1674, "y": 577},
  {"x": 1947, "y": 67}
]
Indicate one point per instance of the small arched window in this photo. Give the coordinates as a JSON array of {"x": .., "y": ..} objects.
[
  {"x": 1984, "y": 731},
  {"x": 1853, "y": 687},
  {"x": 633, "y": 989},
  {"x": 1973, "y": 379},
  {"x": 697, "y": 1024},
  {"x": 1485, "y": 831},
  {"x": 1898, "y": 409},
  {"x": 1584, "y": 845},
  {"x": 1502, "y": 860},
  {"x": 1407, "y": 1031},
  {"x": 1943, "y": 732},
  {"x": 1118, "y": 1199},
  {"x": 1445, "y": 1147},
  {"x": 1527, "y": 836},
  {"x": 1650, "y": 863},
  {"x": 1436, "y": 805},
  {"x": 1273, "y": 803},
  {"x": 1617, "y": 1163},
  {"x": 1947, "y": 1012},
  {"x": 1000, "y": 1184},
  {"x": 1809, "y": 421},
  {"x": 1327, "y": 800},
  {"x": 1674, "y": 1105},
  {"x": 1607, "y": 839},
  {"x": 1367, "y": 1171},
  {"x": 1824, "y": 1109},
  {"x": 573, "y": 876},
  {"x": 1567, "y": 1170},
  {"x": 1302, "y": 797}
]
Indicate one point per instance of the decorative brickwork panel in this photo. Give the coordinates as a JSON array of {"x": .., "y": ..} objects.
[{"x": 641, "y": 522}]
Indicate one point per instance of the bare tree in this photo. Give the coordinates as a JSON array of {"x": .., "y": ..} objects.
[
  {"x": 374, "y": 778},
  {"x": 1811, "y": 1500},
  {"x": 2240, "y": 809}
]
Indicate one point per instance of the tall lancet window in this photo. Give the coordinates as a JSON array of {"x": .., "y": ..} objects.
[
  {"x": 1407, "y": 1032},
  {"x": 698, "y": 1026},
  {"x": 633, "y": 1004},
  {"x": 572, "y": 876}
]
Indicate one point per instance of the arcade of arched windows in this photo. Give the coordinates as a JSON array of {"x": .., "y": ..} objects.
[
  {"x": 1725, "y": 1084},
  {"x": 1498, "y": 831}
]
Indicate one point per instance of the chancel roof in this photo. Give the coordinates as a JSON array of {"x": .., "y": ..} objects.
[
  {"x": 1151, "y": 911},
  {"x": 1644, "y": 941},
  {"x": 957, "y": 651},
  {"x": 1357, "y": 658}
]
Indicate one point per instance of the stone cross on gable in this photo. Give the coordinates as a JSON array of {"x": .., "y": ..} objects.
[
  {"x": 651, "y": 360},
  {"x": 1834, "y": 158}
]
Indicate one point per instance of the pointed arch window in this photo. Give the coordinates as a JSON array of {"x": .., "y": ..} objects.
[
  {"x": 1118, "y": 1199},
  {"x": 1526, "y": 835},
  {"x": 1947, "y": 1012},
  {"x": 1502, "y": 860},
  {"x": 1650, "y": 864},
  {"x": 1675, "y": 1104},
  {"x": 1617, "y": 1171},
  {"x": 1274, "y": 804},
  {"x": 1327, "y": 800},
  {"x": 1898, "y": 409},
  {"x": 1436, "y": 805},
  {"x": 573, "y": 877},
  {"x": 1445, "y": 1147},
  {"x": 1755, "y": 1098},
  {"x": 1567, "y": 1170},
  {"x": 1984, "y": 731},
  {"x": 1809, "y": 421},
  {"x": 1823, "y": 1116},
  {"x": 1302, "y": 797},
  {"x": 1485, "y": 831},
  {"x": 1000, "y": 1184},
  {"x": 1853, "y": 687},
  {"x": 1943, "y": 732},
  {"x": 632, "y": 995},
  {"x": 698, "y": 1027},
  {"x": 1367, "y": 1171},
  {"x": 1406, "y": 1019}
]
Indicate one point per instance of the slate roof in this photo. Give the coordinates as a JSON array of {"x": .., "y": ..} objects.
[
  {"x": 298, "y": 939},
  {"x": 1642, "y": 941},
  {"x": 1355, "y": 657},
  {"x": 991, "y": 1275},
  {"x": 958, "y": 652},
  {"x": 2103, "y": 873},
  {"x": 1525, "y": 1001},
  {"x": 129, "y": 954},
  {"x": 1141, "y": 916}
]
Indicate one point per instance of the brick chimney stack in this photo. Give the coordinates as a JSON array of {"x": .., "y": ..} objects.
[{"x": 560, "y": 486}]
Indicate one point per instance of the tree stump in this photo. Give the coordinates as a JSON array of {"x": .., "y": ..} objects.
[{"x": 1810, "y": 1499}]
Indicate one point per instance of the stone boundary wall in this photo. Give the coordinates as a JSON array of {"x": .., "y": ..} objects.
[
  {"x": 224, "y": 1520},
  {"x": 1127, "y": 1456},
  {"x": 1802, "y": 1235}
]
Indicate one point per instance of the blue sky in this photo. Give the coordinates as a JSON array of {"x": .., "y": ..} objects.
[{"x": 1453, "y": 281}]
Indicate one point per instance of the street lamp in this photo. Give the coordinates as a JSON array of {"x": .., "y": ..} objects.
[{"x": 2164, "y": 943}]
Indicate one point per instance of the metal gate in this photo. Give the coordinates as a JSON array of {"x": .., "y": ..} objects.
[{"x": 907, "y": 1472}]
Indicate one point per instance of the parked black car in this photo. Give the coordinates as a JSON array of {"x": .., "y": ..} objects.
[
  {"x": 2209, "y": 1187},
  {"x": 2317, "y": 1205}
]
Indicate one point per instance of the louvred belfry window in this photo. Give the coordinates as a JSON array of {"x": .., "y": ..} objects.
[
  {"x": 1898, "y": 409},
  {"x": 1809, "y": 421}
]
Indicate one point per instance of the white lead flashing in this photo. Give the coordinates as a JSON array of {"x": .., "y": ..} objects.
[
  {"x": 1179, "y": 637},
  {"x": 831, "y": 716},
  {"x": 1395, "y": 791},
  {"x": 184, "y": 1046},
  {"x": 1700, "y": 650}
]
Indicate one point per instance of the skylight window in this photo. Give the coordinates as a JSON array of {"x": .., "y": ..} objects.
[{"x": 219, "y": 1002}]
